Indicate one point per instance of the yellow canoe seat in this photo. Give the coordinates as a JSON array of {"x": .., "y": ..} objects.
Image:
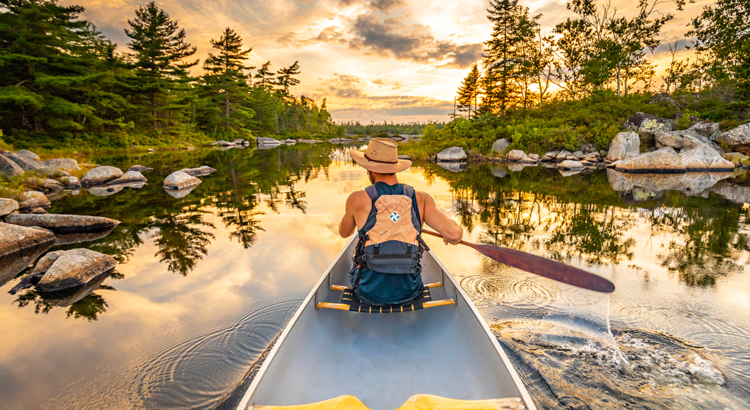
[
  {"x": 429, "y": 402},
  {"x": 337, "y": 403}
]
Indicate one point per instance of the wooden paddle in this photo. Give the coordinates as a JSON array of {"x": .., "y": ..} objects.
[{"x": 540, "y": 266}]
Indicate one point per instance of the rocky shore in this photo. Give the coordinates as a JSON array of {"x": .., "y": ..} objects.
[
  {"x": 27, "y": 230},
  {"x": 649, "y": 145}
]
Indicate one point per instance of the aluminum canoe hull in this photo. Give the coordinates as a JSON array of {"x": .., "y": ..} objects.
[{"x": 383, "y": 359}]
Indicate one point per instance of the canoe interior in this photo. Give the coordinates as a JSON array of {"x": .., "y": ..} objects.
[{"x": 383, "y": 359}]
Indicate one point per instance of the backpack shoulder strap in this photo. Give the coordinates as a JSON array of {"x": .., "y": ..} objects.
[
  {"x": 372, "y": 191},
  {"x": 409, "y": 191}
]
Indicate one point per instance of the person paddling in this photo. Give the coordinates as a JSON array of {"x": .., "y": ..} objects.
[{"x": 388, "y": 217}]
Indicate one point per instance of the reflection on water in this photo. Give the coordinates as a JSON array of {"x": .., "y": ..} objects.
[{"x": 249, "y": 242}]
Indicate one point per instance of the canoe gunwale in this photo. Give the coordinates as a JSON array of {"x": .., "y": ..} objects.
[
  {"x": 498, "y": 349},
  {"x": 327, "y": 275},
  {"x": 313, "y": 294}
]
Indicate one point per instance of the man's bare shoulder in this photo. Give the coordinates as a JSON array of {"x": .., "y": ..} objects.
[
  {"x": 424, "y": 197},
  {"x": 358, "y": 199}
]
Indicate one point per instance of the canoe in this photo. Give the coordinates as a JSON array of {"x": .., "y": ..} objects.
[{"x": 441, "y": 356}]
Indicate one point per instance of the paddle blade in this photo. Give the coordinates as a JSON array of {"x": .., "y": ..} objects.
[{"x": 545, "y": 267}]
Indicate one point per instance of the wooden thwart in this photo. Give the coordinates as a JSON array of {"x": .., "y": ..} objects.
[{"x": 350, "y": 302}]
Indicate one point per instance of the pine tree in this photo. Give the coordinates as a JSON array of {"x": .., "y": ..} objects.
[
  {"x": 503, "y": 53},
  {"x": 53, "y": 76},
  {"x": 159, "y": 48},
  {"x": 469, "y": 91},
  {"x": 285, "y": 79},
  {"x": 225, "y": 80},
  {"x": 265, "y": 74}
]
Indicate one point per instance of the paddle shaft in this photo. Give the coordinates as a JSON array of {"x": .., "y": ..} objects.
[{"x": 540, "y": 266}]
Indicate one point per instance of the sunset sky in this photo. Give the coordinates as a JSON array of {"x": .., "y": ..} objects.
[{"x": 394, "y": 60}]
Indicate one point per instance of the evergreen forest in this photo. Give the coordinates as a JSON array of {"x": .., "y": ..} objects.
[{"x": 65, "y": 85}]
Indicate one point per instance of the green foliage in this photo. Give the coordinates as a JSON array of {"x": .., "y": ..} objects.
[
  {"x": 64, "y": 85},
  {"x": 555, "y": 125}
]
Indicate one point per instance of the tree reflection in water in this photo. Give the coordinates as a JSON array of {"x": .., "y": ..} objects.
[
  {"x": 179, "y": 227},
  {"x": 710, "y": 239},
  {"x": 89, "y": 307},
  {"x": 582, "y": 217},
  {"x": 518, "y": 212}
]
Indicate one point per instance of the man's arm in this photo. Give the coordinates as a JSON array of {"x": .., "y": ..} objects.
[
  {"x": 348, "y": 224},
  {"x": 435, "y": 219}
]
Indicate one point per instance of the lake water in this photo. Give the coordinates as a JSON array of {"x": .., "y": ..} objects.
[{"x": 207, "y": 281}]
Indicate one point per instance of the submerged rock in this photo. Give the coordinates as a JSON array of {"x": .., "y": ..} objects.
[
  {"x": 75, "y": 268},
  {"x": 452, "y": 154},
  {"x": 9, "y": 168},
  {"x": 198, "y": 172},
  {"x": 33, "y": 199},
  {"x": 101, "y": 175},
  {"x": 7, "y": 206},
  {"x": 127, "y": 178},
  {"x": 179, "y": 180},
  {"x": 624, "y": 145},
  {"x": 61, "y": 223},
  {"x": 14, "y": 238}
]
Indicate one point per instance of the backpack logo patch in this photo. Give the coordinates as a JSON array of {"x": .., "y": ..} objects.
[{"x": 394, "y": 216}]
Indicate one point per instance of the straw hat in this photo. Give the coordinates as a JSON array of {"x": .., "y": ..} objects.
[{"x": 381, "y": 157}]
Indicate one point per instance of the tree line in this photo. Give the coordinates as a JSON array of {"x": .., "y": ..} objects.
[
  {"x": 375, "y": 128},
  {"x": 64, "y": 83},
  {"x": 600, "y": 50}
]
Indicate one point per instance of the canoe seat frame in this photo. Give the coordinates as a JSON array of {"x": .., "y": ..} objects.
[{"x": 425, "y": 305}]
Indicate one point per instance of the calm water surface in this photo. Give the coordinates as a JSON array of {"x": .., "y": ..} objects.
[{"x": 207, "y": 281}]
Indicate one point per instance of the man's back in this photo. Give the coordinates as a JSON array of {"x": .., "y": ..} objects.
[
  {"x": 359, "y": 205},
  {"x": 389, "y": 217}
]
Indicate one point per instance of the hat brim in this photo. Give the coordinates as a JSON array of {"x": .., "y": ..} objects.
[{"x": 379, "y": 167}]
